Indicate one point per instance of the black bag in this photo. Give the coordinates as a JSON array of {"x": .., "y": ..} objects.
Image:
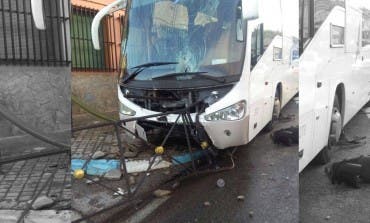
[
  {"x": 288, "y": 136},
  {"x": 351, "y": 172}
]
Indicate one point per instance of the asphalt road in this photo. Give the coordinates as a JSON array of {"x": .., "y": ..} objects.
[
  {"x": 320, "y": 201},
  {"x": 265, "y": 173}
]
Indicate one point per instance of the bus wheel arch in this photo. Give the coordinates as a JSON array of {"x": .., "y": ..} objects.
[
  {"x": 278, "y": 100},
  {"x": 340, "y": 92},
  {"x": 338, "y": 104},
  {"x": 276, "y": 108},
  {"x": 336, "y": 125},
  {"x": 279, "y": 91}
]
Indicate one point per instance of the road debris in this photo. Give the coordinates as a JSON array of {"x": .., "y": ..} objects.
[
  {"x": 54, "y": 216},
  {"x": 89, "y": 182},
  {"x": 132, "y": 180},
  {"x": 241, "y": 198},
  {"x": 130, "y": 154},
  {"x": 76, "y": 156},
  {"x": 113, "y": 175},
  {"x": 175, "y": 185},
  {"x": 207, "y": 203},
  {"x": 98, "y": 155},
  {"x": 161, "y": 193},
  {"x": 42, "y": 202},
  {"x": 220, "y": 183},
  {"x": 39, "y": 149},
  {"x": 134, "y": 166},
  {"x": 251, "y": 214},
  {"x": 353, "y": 142},
  {"x": 120, "y": 192}
]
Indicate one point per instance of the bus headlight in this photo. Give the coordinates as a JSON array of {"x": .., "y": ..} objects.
[
  {"x": 231, "y": 113},
  {"x": 123, "y": 109}
]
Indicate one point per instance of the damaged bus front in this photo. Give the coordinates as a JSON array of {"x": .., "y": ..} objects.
[{"x": 192, "y": 55}]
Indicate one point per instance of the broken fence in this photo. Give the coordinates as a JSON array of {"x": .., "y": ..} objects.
[{"x": 159, "y": 151}]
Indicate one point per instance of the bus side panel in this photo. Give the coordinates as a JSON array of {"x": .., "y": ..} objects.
[
  {"x": 259, "y": 91},
  {"x": 353, "y": 79},
  {"x": 289, "y": 71},
  {"x": 317, "y": 71},
  {"x": 358, "y": 91}
]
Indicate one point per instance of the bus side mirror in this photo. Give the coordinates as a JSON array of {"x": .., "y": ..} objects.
[
  {"x": 114, "y": 6},
  {"x": 38, "y": 14},
  {"x": 250, "y": 9}
]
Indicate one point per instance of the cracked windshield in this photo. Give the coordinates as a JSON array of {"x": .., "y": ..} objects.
[{"x": 182, "y": 38}]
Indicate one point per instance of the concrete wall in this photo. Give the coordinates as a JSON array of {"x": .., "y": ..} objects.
[
  {"x": 98, "y": 91},
  {"x": 39, "y": 96}
]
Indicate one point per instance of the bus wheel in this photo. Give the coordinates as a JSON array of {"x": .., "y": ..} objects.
[
  {"x": 335, "y": 132},
  {"x": 275, "y": 114}
]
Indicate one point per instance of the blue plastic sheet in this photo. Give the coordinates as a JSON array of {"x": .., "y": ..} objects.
[
  {"x": 186, "y": 158},
  {"x": 101, "y": 166},
  {"x": 95, "y": 167}
]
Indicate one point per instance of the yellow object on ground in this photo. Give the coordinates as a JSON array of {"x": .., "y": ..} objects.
[
  {"x": 79, "y": 174},
  {"x": 204, "y": 145},
  {"x": 159, "y": 150}
]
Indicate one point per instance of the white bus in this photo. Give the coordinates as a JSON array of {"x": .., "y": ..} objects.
[
  {"x": 334, "y": 72},
  {"x": 218, "y": 52}
]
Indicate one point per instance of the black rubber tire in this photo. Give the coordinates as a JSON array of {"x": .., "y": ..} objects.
[{"x": 325, "y": 154}]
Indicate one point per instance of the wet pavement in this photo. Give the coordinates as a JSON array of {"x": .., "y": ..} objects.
[
  {"x": 21, "y": 181},
  {"x": 320, "y": 201},
  {"x": 265, "y": 173},
  {"x": 88, "y": 197}
]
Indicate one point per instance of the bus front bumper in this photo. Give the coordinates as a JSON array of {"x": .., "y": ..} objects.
[{"x": 223, "y": 134}]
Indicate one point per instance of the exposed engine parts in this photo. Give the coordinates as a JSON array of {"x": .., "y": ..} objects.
[{"x": 171, "y": 100}]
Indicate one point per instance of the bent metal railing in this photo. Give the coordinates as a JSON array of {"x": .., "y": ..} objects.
[
  {"x": 134, "y": 199},
  {"x": 62, "y": 149},
  {"x": 159, "y": 150}
]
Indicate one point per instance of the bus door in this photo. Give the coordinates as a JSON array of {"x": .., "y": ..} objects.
[{"x": 257, "y": 81}]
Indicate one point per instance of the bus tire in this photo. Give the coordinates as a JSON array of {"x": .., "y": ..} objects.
[
  {"x": 325, "y": 154},
  {"x": 275, "y": 113}
]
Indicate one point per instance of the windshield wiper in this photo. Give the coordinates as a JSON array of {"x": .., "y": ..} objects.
[
  {"x": 142, "y": 67},
  {"x": 202, "y": 74}
]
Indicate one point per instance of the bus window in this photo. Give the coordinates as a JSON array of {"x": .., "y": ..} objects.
[
  {"x": 257, "y": 45},
  {"x": 336, "y": 36},
  {"x": 322, "y": 9},
  {"x": 306, "y": 20},
  {"x": 366, "y": 28},
  {"x": 312, "y": 14},
  {"x": 277, "y": 53},
  {"x": 294, "y": 54}
]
